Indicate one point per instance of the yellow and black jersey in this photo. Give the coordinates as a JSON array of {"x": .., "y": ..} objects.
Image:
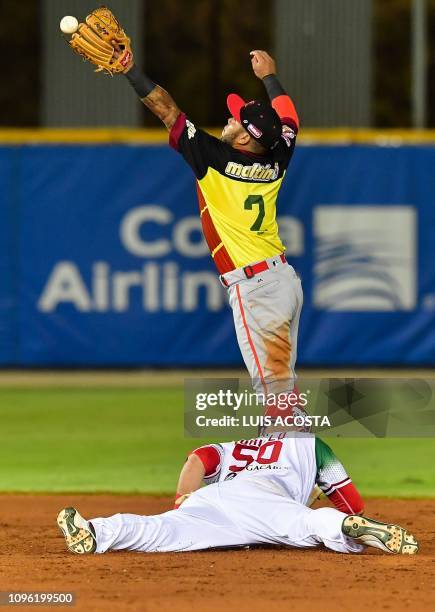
[{"x": 237, "y": 193}]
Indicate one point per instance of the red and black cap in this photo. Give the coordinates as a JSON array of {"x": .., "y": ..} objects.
[{"x": 258, "y": 118}]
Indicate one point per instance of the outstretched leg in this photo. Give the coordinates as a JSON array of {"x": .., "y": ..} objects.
[
  {"x": 197, "y": 525},
  {"x": 344, "y": 533},
  {"x": 272, "y": 517}
]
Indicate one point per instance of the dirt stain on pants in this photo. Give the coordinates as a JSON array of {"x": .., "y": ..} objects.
[{"x": 277, "y": 346}]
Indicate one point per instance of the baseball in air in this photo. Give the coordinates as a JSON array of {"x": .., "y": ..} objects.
[{"x": 69, "y": 25}]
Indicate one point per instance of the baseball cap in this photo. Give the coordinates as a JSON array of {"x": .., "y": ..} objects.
[{"x": 258, "y": 118}]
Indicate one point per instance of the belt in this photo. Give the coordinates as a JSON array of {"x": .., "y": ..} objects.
[{"x": 252, "y": 270}]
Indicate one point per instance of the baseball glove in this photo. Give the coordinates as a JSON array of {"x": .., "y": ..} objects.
[{"x": 103, "y": 42}]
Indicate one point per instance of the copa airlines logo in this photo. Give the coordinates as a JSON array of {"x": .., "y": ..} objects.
[
  {"x": 365, "y": 258},
  {"x": 161, "y": 281}
]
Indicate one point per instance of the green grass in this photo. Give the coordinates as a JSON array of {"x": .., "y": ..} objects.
[{"x": 132, "y": 440}]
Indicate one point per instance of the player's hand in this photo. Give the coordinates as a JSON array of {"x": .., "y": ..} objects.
[
  {"x": 262, "y": 64},
  {"x": 179, "y": 499},
  {"x": 117, "y": 54}
]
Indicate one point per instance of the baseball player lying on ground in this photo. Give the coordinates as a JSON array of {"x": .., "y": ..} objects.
[
  {"x": 258, "y": 495},
  {"x": 238, "y": 178}
]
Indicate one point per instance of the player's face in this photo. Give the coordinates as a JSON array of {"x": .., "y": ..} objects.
[{"x": 231, "y": 131}]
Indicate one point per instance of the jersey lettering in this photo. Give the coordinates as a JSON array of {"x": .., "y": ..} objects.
[
  {"x": 226, "y": 177},
  {"x": 257, "y": 172},
  {"x": 264, "y": 454}
]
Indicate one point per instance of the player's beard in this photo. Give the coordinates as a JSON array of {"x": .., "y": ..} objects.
[
  {"x": 228, "y": 138},
  {"x": 229, "y": 134}
]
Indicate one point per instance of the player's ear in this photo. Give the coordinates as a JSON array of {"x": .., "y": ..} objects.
[{"x": 243, "y": 138}]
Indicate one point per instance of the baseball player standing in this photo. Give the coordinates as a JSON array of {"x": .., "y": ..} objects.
[{"x": 238, "y": 180}]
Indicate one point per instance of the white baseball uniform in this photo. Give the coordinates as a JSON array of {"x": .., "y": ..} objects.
[{"x": 258, "y": 496}]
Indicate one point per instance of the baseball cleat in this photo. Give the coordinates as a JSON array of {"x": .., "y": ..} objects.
[
  {"x": 78, "y": 533},
  {"x": 389, "y": 538}
]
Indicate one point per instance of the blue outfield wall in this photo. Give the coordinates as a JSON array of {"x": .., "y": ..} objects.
[{"x": 102, "y": 260}]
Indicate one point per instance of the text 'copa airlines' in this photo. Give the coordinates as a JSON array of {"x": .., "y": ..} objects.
[{"x": 159, "y": 283}]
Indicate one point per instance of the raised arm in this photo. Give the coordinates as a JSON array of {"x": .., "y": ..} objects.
[
  {"x": 109, "y": 49},
  {"x": 157, "y": 99},
  {"x": 264, "y": 68}
]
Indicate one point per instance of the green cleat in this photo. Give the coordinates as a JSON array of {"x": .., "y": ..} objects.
[
  {"x": 389, "y": 538},
  {"x": 77, "y": 532}
]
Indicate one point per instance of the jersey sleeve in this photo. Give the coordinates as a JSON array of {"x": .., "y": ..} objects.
[
  {"x": 334, "y": 481},
  {"x": 211, "y": 457},
  {"x": 199, "y": 149},
  {"x": 286, "y": 110},
  {"x": 285, "y": 149}
]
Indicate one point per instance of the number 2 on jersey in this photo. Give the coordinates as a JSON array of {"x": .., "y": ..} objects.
[
  {"x": 264, "y": 454},
  {"x": 251, "y": 201}
]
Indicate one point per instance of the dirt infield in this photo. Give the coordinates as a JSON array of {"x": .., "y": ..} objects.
[{"x": 33, "y": 557}]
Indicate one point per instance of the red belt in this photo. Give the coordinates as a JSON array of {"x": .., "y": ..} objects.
[{"x": 261, "y": 266}]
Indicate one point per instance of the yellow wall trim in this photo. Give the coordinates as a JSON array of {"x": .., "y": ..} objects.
[{"x": 344, "y": 136}]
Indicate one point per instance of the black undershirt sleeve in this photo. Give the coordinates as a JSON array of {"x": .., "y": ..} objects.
[
  {"x": 142, "y": 85},
  {"x": 273, "y": 86}
]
